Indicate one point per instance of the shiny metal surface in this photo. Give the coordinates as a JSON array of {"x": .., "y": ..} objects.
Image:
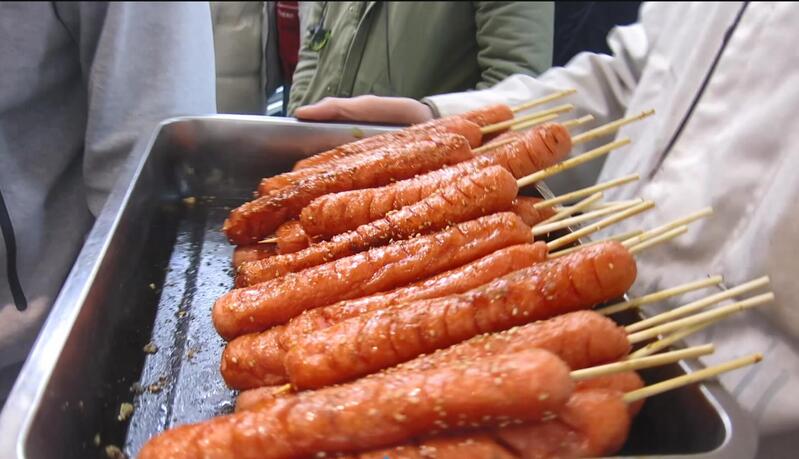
[{"x": 149, "y": 272}]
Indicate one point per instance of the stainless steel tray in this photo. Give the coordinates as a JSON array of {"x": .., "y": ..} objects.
[{"x": 150, "y": 271}]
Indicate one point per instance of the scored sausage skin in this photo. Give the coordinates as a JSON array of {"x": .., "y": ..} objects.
[
  {"x": 291, "y": 237},
  {"x": 450, "y": 125},
  {"x": 375, "y": 413},
  {"x": 581, "y": 339},
  {"x": 474, "y": 446},
  {"x": 594, "y": 423},
  {"x": 245, "y": 253},
  {"x": 260, "y": 217},
  {"x": 255, "y": 360},
  {"x": 338, "y": 213},
  {"x": 255, "y": 308},
  {"x": 381, "y": 339},
  {"x": 485, "y": 192}
]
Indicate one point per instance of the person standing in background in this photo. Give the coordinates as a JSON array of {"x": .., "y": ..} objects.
[
  {"x": 80, "y": 83},
  {"x": 256, "y": 46},
  {"x": 416, "y": 49},
  {"x": 240, "y": 32}
]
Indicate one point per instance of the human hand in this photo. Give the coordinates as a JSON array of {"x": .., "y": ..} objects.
[{"x": 370, "y": 109}]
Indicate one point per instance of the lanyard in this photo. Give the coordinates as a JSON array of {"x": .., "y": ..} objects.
[{"x": 319, "y": 35}]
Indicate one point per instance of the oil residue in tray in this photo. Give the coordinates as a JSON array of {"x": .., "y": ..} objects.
[{"x": 181, "y": 382}]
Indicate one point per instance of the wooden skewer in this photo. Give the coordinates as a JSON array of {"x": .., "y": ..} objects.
[
  {"x": 602, "y": 224},
  {"x": 674, "y": 383},
  {"x": 609, "y": 128},
  {"x": 491, "y": 145},
  {"x": 568, "y": 211},
  {"x": 644, "y": 362},
  {"x": 617, "y": 237},
  {"x": 534, "y": 122},
  {"x": 700, "y": 304},
  {"x": 572, "y": 162},
  {"x": 663, "y": 343},
  {"x": 282, "y": 389},
  {"x": 667, "y": 236},
  {"x": 491, "y": 128},
  {"x": 270, "y": 240},
  {"x": 567, "y": 124},
  {"x": 698, "y": 318},
  {"x": 660, "y": 296},
  {"x": 543, "y": 100},
  {"x": 539, "y": 230},
  {"x": 654, "y": 232},
  {"x": 578, "y": 121},
  {"x": 577, "y": 194}
]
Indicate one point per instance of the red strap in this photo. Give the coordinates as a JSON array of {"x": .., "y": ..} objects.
[{"x": 288, "y": 36}]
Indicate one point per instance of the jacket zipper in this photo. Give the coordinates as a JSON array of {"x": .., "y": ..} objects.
[
  {"x": 727, "y": 36},
  {"x": 11, "y": 257}
]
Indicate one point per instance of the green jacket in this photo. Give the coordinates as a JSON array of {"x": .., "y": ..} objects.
[{"x": 417, "y": 49}]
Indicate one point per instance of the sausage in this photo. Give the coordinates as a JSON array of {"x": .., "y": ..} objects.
[
  {"x": 291, "y": 237},
  {"x": 450, "y": 125},
  {"x": 256, "y": 308},
  {"x": 375, "y": 413},
  {"x": 489, "y": 115},
  {"x": 257, "y": 219},
  {"x": 338, "y": 213},
  {"x": 381, "y": 339},
  {"x": 256, "y": 360},
  {"x": 571, "y": 434},
  {"x": 593, "y": 423},
  {"x": 524, "y": 206},
  {"x": 581, "y": 339},
  {"x": 473, "y": 446},
  {"x": 350, "y": 152},
  {"x": 244, "y": 253},
  {"x": 621, "y": 382},
  {"x": 484, "y": 192},
  {"x": 557, "y": 438}
]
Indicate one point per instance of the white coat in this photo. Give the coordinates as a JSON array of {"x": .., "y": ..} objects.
[{"x": 723, "y": 137}]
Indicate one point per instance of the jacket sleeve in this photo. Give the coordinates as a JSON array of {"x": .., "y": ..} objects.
[
  {"x": 141, "y": 63},
  {"x": 513, "y": 37},
  {"x": 307, "y": 59},
  {"x": 604, "y": 83}
]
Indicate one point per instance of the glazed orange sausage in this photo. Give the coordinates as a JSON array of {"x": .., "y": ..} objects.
[
  {"x": 291, "y": 237},
  {"x": 486, "y": 191},
  {"x": 256, "y": 359},
  {"x": 594, "y": 423},
  {"x": 381, "y": 339},
  {"x": 255, "y": 308},
  {"x": 337, "y": 213},
  {"x": 448, "y": 125},
  {"x": 245, "y": 253},
  {"x": 581, "y": 339},
  {"x": 380, "y": 412},
  {"x": 257, "y": 219}
]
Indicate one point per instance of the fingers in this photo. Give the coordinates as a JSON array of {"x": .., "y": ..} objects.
[
  {"x": 326, "y": 109},
  {"x": 370, "y": 109}
]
